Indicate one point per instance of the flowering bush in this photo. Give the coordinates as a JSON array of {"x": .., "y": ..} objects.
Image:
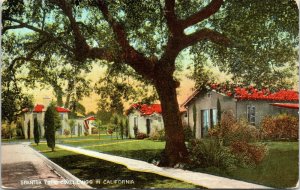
[
  {"x": 280, "y": 127},
  {"x": 248, "y": 154},
  {"x": 66, "y": 132},
  {"x": 230, "y": 130},
  {"x": 141, "y": 135},
  {"x": 94, "y": 130},
  {"x": 241, "y": 139}
]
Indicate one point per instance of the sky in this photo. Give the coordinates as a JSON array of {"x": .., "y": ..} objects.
[{"x": 90, "y": 103}]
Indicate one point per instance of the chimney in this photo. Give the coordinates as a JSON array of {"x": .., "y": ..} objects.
[{"x": 46, "y": 102}]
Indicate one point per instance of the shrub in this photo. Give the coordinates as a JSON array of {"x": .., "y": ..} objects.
[
  {"x": 248, "y": 154},
  {"x": 86, "y": 133},
  {"x": 95, "y": 130},
  {"x": 141, "y": 135},
  {"x": 157, "y": 135},
  {"x": 240, "y": 138},
  {"x": 67, "y": 132},
  {"x": 52, "y": 123},
  {"x": 210, "y": 153},
  {"x": 36, "y": 131},
  {"x": 230, "y": 130},
  {"x": 188, "y": 133},
  {"x": 280, "y": 127}
]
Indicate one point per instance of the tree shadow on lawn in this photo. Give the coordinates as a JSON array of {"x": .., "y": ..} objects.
[{"x": 88, "y": 168}]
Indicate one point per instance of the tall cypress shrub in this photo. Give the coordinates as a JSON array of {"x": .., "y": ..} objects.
[
  {"x": 52, "y": 123},
  {"x": 36, "y": 131},
  {"x": 195, "y": 120}
]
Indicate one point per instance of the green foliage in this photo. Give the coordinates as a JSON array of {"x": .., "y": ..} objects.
[
  {"x": 7, "y": 129},
  {"x": 126, "y": 127},
  {"x": 280, "y": 127},
  {"x": 52, "y": 123},
  {"x": 36, "y": 131},
  {"x": 188, "y": 133},
  {"x": 194, "y": 119},
  {"x": 253, "y": 26},
  {"x": 204, "y": 154},
  {"x": 158, "y": 135},
  {"x": 71, "y": 123},
  {"x": 99, "y": 126},
  {"x": 241, "y": 138}
]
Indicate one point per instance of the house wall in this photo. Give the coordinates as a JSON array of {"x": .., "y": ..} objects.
[
  {"x": 205, "y": 101},
  {"x": 262, "y": 109},
  {"x": 29, "y": 116},
  {"x": 156, "y": 122}
]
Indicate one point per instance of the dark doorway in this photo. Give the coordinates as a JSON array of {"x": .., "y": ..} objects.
[
  {"x": 148, "y": 123},
  {"x": 28, "y": 129}
]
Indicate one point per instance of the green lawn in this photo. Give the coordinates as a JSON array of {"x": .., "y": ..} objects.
[
  {"x": 88, "y": 168},
  {"x": 279, "y": 169}
]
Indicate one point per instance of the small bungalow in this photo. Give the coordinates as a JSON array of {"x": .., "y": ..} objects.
[
  {"x": 248, "y": 103},
  {"x": 39, "y": 113},
  {"x": 146, "y": 118},
  {"x": 82, "y": 124}
]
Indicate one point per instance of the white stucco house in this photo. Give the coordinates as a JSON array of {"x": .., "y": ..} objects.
[
  {"x": 147, "y": 118},
  {"x": 82, "y": 125},
  {"x": 248, "y": 103}
]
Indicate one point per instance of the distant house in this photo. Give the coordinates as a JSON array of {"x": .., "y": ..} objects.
[
  {"x": 39, "y": 113},
  {"x": 82, "y": 124},
  {"x": 146, "y": 118},
  {"x": 248, "y": 103}
]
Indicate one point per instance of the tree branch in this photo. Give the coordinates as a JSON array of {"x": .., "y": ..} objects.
[
  {"x": 203, "y": 14},
  {"x": 138, "y": 61},
  {"x": 81, "y": 46},
  {"x": 25, "y": 25},
  {"x": 172, "y": 22},
  {"x": 205, "y": 34}
]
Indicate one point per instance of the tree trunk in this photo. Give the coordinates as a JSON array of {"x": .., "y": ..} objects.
[{"x": 175, "y": 149}]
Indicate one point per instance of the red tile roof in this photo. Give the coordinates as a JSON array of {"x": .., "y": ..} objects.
[
  {"x": 61, "y": 109},
  {"x": 40, "y": 108},
  {"x": 145, "y": 109},
  {"x": 291, "y": 106},
  {"x": 90, "y": 118},
  {"x": 251, "y": 93}
]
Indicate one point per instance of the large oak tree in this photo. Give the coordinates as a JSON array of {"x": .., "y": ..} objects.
[{"x": 149, "y": 35}]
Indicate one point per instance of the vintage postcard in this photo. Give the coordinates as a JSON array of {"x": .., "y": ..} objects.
[{"x": 149, "y": 94}]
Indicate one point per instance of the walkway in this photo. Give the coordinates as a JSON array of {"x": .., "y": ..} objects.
[
  {"x": 23, "y": 167},
  {"x": 200, "y": 179}
]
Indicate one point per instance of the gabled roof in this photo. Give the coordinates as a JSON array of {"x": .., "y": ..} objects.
[{"x": 145, "y": 109}]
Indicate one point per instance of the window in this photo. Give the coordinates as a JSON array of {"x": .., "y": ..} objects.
[
  {"x": 209, "y": 94},
  {"x": 251, "y": 114},
  {"x": 213, "y": 117},
  {"x": 205, "y": 124}
]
